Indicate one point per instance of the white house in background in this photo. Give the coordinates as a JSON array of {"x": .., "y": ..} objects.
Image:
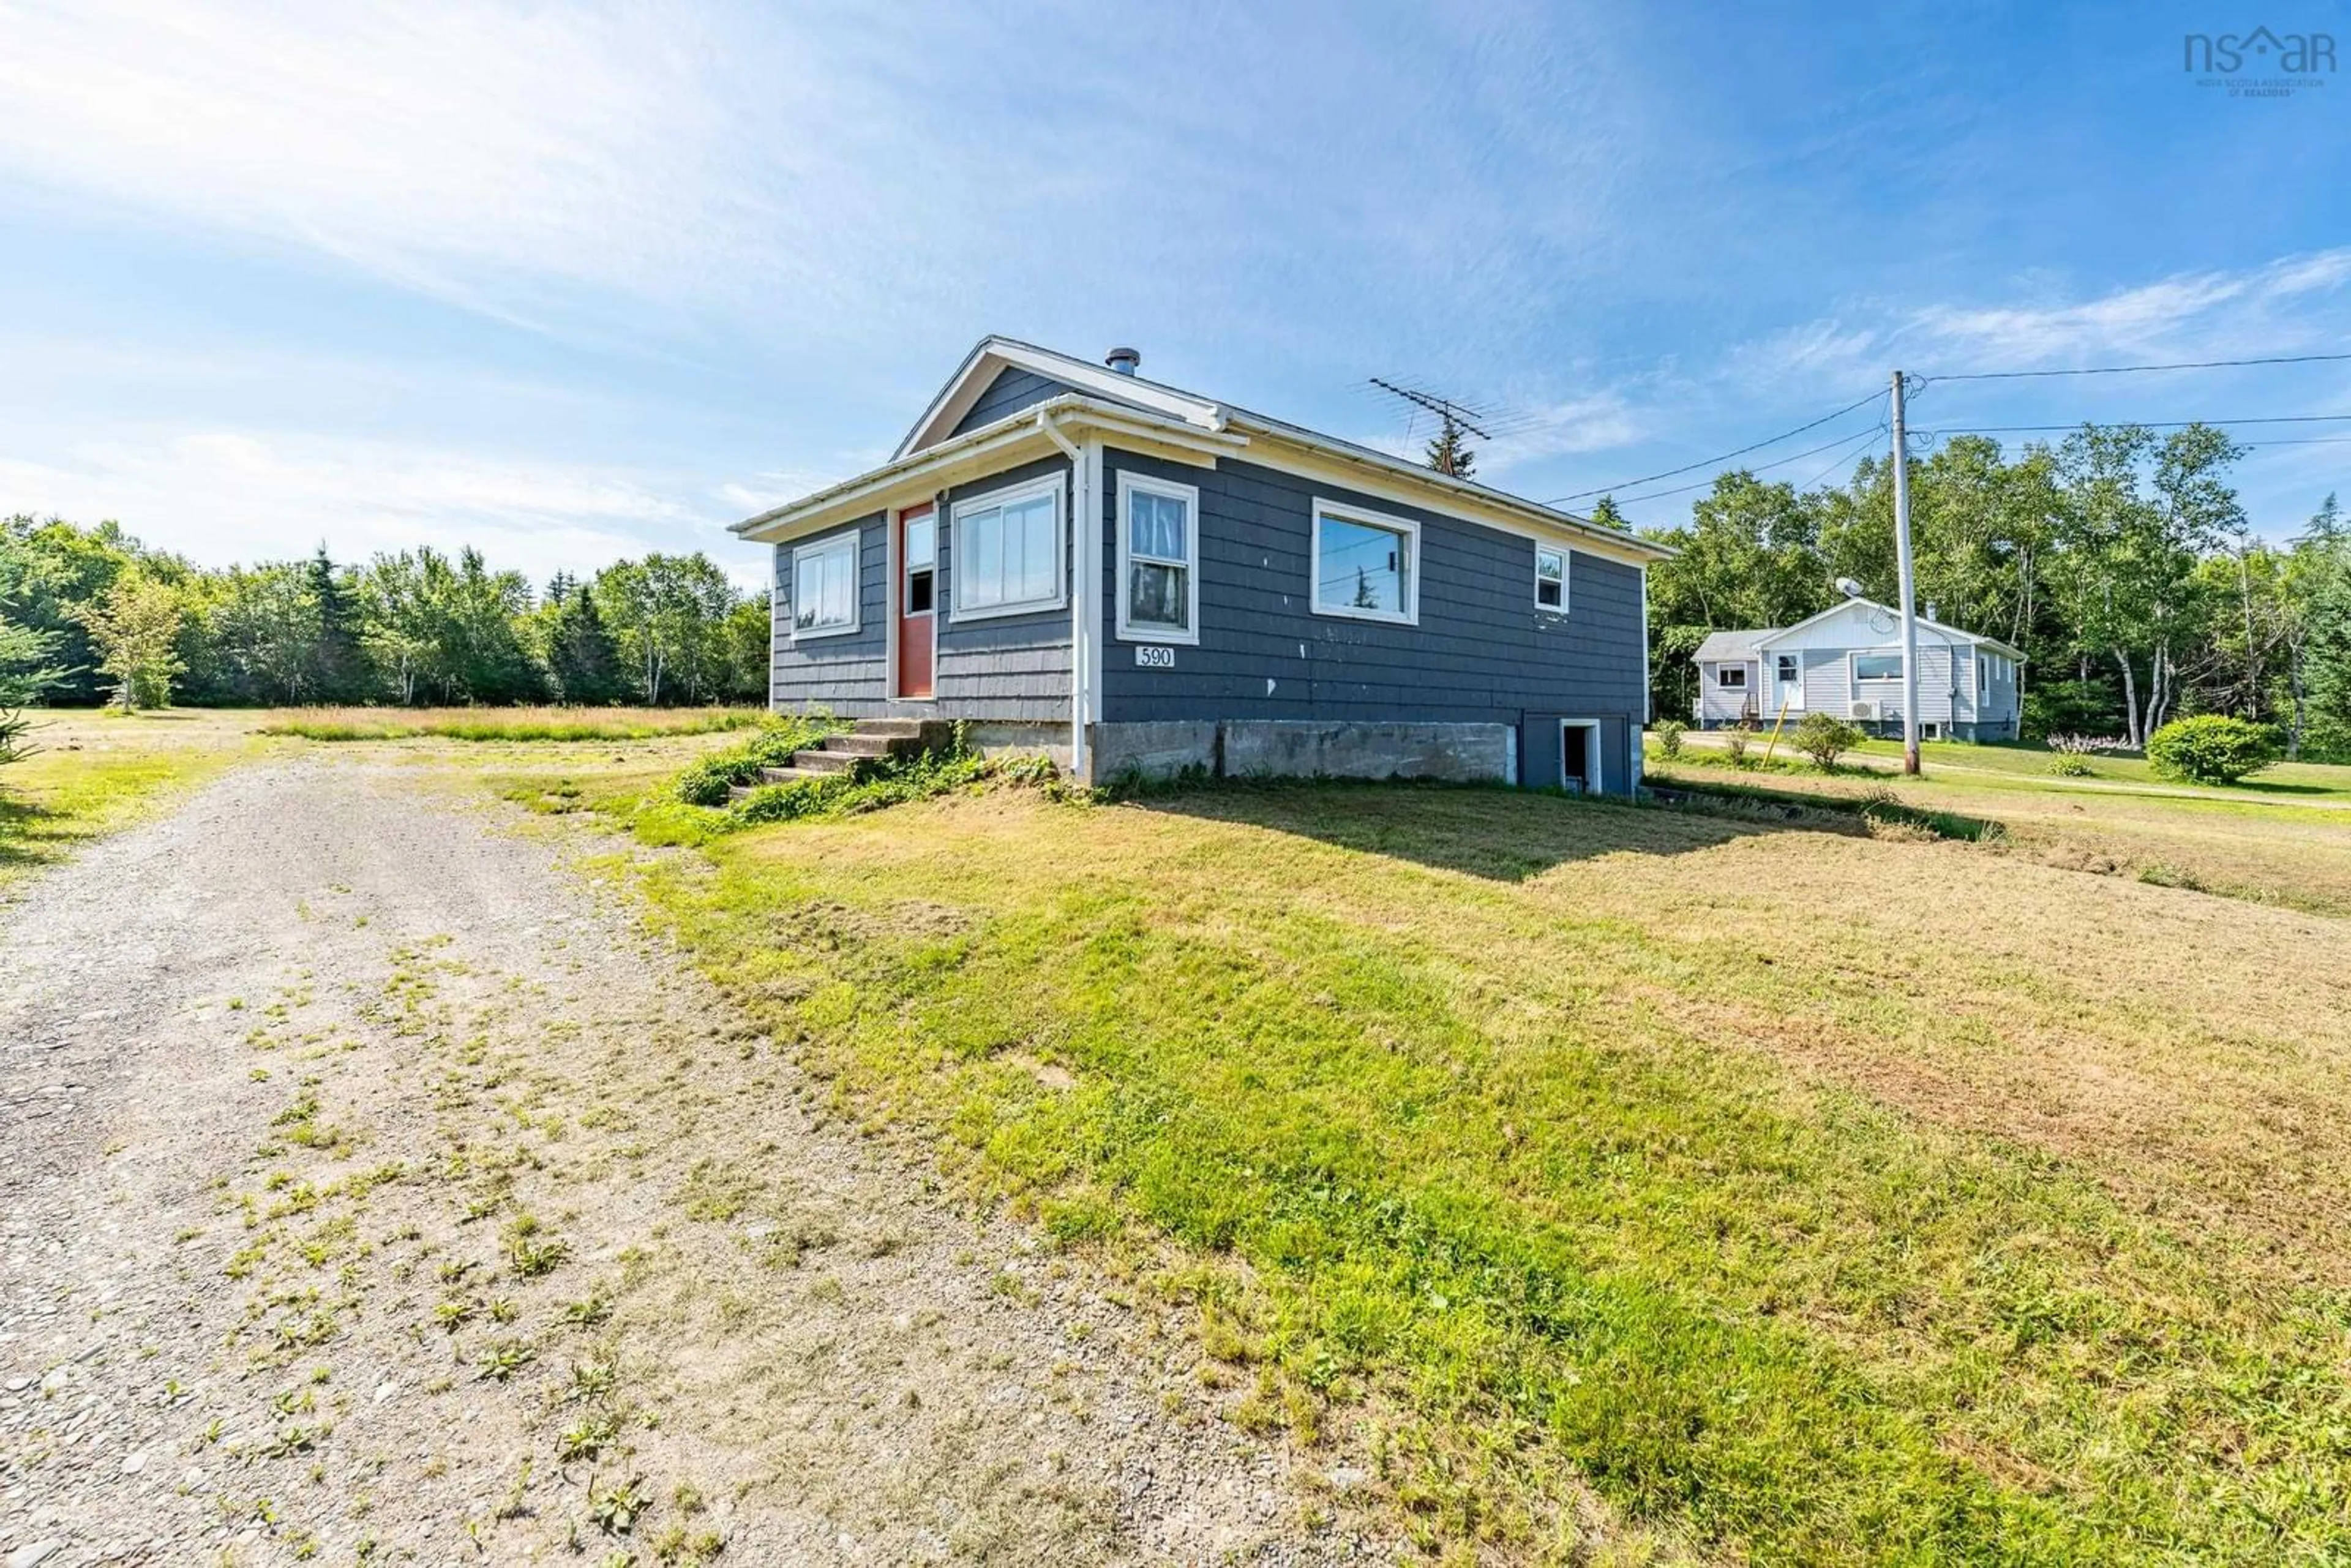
[{"x": 1847, "y": 661}]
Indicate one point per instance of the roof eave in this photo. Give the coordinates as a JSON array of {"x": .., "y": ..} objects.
[
  {"x": 1768, "y": 638},
  {"x": 1415, "y": 474},
  {"x": 990, "y": 444},
  {"x": 964, "y": 386}
]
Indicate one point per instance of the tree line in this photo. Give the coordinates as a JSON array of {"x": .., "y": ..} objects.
[
  {"x": 90, "y": 615},
  {"x": 2121, "y": 561}
]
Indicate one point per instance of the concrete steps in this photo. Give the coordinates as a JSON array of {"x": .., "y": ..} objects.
[{"x": 871, "y": 740}]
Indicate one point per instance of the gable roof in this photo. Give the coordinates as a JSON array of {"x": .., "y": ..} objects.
[
  {"x": 1729, "y": 647},
  {"x": 1132, "y": 411},
  {"x": 1951, "y": 633},
  {"x": 992, "y": 356}
]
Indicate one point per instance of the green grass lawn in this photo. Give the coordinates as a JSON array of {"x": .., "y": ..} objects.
[
  {"x": 2287, "y": 783},
  {"x": 94, "y": 772},
  {"x": 1797, "y": 1194},
  {"x": 2283, "y": 837}
]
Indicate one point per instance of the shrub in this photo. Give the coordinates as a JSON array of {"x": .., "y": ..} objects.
[
  {"x": 1670, "y": 738},
  {"x": 1734, "y": 741},
  {"x": 1824, "y": 737},
  {"x": 889, "y": 781},
  {"x": 2210, "y": 748},
  {"x": 708, "y": 781},
  {"x": 14, "y": 727},
  {"x": 2070, "y": 765}
]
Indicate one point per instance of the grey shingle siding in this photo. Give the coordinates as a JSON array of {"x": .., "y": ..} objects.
[
  {"x": 841, "y": 672},
  {"x": 1482, "y": 652},
  {"x": 1005, "y": 667},
  {"x": 1012, "y": 390}
]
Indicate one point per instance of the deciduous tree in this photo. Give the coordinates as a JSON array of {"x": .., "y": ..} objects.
[{"x": 136, "y": 629}]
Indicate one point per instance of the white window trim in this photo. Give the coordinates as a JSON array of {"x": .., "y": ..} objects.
[
  {"x": 1011, "y": 494},
  {"x": 855, "y": 539},
  {"x": 1566, "y": 576},
  {"x": 1722, "y": 685},
  {"x": 1128, "y": 631},
  {"x": 1350, "y": 514},
  {"x": 1852, "y": 668}
]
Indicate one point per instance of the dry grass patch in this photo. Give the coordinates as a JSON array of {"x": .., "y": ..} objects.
[{"x": 1829, "y": 1197}]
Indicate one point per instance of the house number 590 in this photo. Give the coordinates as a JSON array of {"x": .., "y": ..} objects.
[{"x": 1148, "y": 658}]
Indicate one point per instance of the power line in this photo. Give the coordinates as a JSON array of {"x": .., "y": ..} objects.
[
  {"x": 2131, "y": 369},
  {"x": 2141, "y": 423},
  {"x": 1848, "y": 441},
  {"x": 1842, "y": 461},
  {"x": 1709, "y": 462}
]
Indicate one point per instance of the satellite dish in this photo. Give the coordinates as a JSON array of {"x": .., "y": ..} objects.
[
  {"x": 1849, "y": 587},
  {"x": 1881, "y": 620}
]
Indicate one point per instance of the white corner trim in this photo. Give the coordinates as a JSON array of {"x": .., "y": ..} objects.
[
  {"x": 1648, "y": 670},
  {"x": 1129, "y": 483},
  {"x": 1346, "y": 512},
  {"x": 1052, "y": 485},
  {"x": 854, "y": 539}
]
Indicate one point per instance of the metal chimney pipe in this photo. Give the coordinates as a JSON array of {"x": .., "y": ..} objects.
[{"x": 1125, "y": 361}]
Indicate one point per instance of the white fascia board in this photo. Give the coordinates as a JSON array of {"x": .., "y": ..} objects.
[
  {"x": 1007, "y": 441},
  {"x": 1394, "y": 479},
  {"x": 993, "y": 356}
]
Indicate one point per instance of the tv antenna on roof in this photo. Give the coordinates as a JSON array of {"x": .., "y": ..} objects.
[
  {"x": 1447, "y": 454},
  {"x": 1467, "y": 415}
]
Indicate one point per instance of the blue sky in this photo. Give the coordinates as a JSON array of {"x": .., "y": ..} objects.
[{"x": 575, "y": 283}]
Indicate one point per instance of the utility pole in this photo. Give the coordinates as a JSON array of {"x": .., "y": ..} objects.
[{"x": 1909, "y": 591}]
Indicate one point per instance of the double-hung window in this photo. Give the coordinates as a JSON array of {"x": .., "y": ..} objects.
[
  {"x": 824, "y": 587},
  {"x": 1732, "y": 677},
  {"x": 1551, "y": 578},
  {"x": 1007, "y": 559},
  {"x": 1365, "y": 565},
  {"x": 1158, "y": 560}
]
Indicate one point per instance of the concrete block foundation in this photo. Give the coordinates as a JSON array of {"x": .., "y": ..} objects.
[{"x": 1305, "y": 748}]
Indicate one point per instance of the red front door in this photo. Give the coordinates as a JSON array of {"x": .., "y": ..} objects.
[{"x": 917, "y": 596}]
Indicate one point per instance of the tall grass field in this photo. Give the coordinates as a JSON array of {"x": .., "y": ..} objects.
[{"x": 516, "y": 724}]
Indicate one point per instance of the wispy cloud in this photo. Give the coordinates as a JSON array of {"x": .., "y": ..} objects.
[
  {"x": 422, "y": 142},
  {"x": 243, "y": 495},
  {"x": 2199, "y": 313},
  {"x": 2282, "y": 305},
  {"x": 565, "y": 169}
]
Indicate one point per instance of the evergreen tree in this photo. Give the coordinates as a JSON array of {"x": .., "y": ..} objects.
[
  {"x": 1448, "y": 453},
  {"x": 2320, "y": 698},
  {"x": 1604, "y": 513},
  {"x": 337, "y": 667},
  {"x": 582, "y": 660}
]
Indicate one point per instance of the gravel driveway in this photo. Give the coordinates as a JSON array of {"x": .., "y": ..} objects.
[{"x": 376, "y": 1190}]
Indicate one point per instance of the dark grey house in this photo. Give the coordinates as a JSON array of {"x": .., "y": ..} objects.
[{"x": 1234, "y": 592}]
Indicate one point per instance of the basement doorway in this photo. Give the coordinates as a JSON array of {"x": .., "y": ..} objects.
[{"x": 1579, "y": 754}]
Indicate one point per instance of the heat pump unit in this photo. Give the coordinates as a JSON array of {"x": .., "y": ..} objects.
[{"x": 1864, "y": 710}]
